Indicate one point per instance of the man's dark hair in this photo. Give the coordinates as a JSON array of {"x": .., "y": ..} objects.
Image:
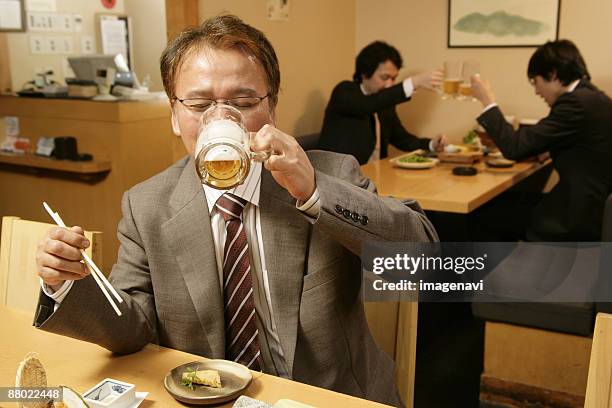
[
  {"x": 224, "y": 32},
  {"x": 372, "y": 55},
  {"x": 558, "y": 57}
]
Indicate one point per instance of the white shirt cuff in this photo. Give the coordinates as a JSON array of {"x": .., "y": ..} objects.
[
  {"x": 58, "y": 295},
  {"x": 489, "y": 106},
  {"x": 408, "y": 87},
  {"x": 431, "y": 146},
  {"x": 311, "y": 207}
]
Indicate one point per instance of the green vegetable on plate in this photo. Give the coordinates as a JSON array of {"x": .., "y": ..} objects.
[{"x": 414, "y": 159}]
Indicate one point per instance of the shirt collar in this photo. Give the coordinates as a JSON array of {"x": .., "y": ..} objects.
[
  {"x": 362, "y": 89},
  {"x": 573, "y": 85},
  {"x": 249, "y": 190}
]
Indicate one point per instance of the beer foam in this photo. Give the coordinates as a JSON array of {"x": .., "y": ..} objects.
[
  {"x": 224, "y": 129},
  {"x": 219, "y": 129}
]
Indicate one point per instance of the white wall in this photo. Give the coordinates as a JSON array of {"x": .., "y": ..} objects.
[
  {"x": 23, "y": 64},
  {"x": 148, "y": 31},
  {"x": 149, "y": 37},
  {"x": 419, "y": 30}
]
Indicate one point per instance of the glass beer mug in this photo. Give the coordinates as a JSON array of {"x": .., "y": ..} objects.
[
  {"x": 452, "y": 79},
  {"x": 222, "y": 153}
]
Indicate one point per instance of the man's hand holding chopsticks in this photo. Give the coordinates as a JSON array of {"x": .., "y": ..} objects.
[{"x": 58, "y": 256}]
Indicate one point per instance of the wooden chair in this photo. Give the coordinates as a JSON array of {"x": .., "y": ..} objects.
[
  {"x": 599, "y": 383},
  {"x": 19, "y": 283},
  {"x": 394, "y": 327}
]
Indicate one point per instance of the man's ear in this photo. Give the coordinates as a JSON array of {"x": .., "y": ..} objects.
[
  {"x": 552, "y": 76},
  {"x": 273, "y": 117},
  {"x": 175, "y": 125}
]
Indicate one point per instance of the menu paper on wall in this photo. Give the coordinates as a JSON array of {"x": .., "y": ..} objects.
[
  {"x": 114, "y": 37},
  {"x": 10, "y": 15},
  {"x": 41, "y": 5}
]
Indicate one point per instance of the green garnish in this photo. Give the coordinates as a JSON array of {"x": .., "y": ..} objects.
[
  {"x": 414, "y": 159},
  {"x": 188, "y": 380},
  {"x": 471, "y": 137}
]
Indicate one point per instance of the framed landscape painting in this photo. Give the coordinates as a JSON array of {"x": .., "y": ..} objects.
[{"x": 502, "y": 23}]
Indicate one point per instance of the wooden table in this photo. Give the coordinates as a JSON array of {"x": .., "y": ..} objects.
[
  {"x": 81, "y": 365},
  {"x": 438, "y": 189}
]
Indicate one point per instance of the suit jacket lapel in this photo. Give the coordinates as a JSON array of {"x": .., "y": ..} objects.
[
  {"x": 285, "y": 239},
  {"x": 189, "y": 235}
]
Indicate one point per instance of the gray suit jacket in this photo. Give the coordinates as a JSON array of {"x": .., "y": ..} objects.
[{"x": 166, "y": 272}]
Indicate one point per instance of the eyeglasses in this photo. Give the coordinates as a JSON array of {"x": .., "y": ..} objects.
[{"x": 243, "y": 103}]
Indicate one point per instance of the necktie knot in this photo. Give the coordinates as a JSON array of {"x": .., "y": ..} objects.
[{"x": 230, "y": 206}]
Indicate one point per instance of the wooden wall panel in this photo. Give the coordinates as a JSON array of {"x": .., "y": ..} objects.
[
  {"x": 5, "y": 66},
  {"x": 180, "y": 14}
]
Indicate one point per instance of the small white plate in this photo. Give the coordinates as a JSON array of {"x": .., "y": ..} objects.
[
  {"x": 451, "y": 148},
  {"x": 235, "y": 378}
]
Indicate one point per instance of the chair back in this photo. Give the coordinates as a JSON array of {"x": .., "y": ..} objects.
[
  {"x": 606, "y": 227},
  {"x": 19, "y": 282},
  {"x": 599, "y": 383}
]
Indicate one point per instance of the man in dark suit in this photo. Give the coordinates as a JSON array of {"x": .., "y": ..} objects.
[
  {"x": 578, "y": 134},
  {"x": 360, "y": 118}
]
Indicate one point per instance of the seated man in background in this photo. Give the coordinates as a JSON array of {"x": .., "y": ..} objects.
[
  {"x": 360, "y": 118},
  {"x": 578, "y": 134},
  {"x": 288, "y": 299}
]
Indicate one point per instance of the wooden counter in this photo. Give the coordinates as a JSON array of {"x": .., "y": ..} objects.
[
  {"x": 81, "y": 365},
  {"x": 35, "y": 162},
  {"x": 130, "y": 142}
]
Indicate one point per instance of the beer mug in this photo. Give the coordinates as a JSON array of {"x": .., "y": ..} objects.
[
  {"x": 222, "y": 153},
  {"x": 452, "y": 79}
]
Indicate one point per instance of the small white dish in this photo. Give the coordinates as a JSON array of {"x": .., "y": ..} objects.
[
  {"x": 110, "y": 393},
  {"x": 451, "y": 148}
]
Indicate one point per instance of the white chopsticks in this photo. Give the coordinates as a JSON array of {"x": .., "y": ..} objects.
[{"x": 93, "y": 268}]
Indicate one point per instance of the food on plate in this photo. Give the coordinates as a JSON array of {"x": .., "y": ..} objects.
[
  {"x": 414, "y": 159},
  {"x": 472, "y": 140},
  {"x": 210, "y": 378}
]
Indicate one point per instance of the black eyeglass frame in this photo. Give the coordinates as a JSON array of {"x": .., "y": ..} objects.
[{"x": 228, "y": 101}]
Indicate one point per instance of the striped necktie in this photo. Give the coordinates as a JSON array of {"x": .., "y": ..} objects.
[{"x": 241, "y": 343}]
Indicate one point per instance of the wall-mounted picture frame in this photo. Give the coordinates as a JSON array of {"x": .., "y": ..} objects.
[
  {"x": 502, "y": 23},
  {"x": 12, "y": 16}
]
